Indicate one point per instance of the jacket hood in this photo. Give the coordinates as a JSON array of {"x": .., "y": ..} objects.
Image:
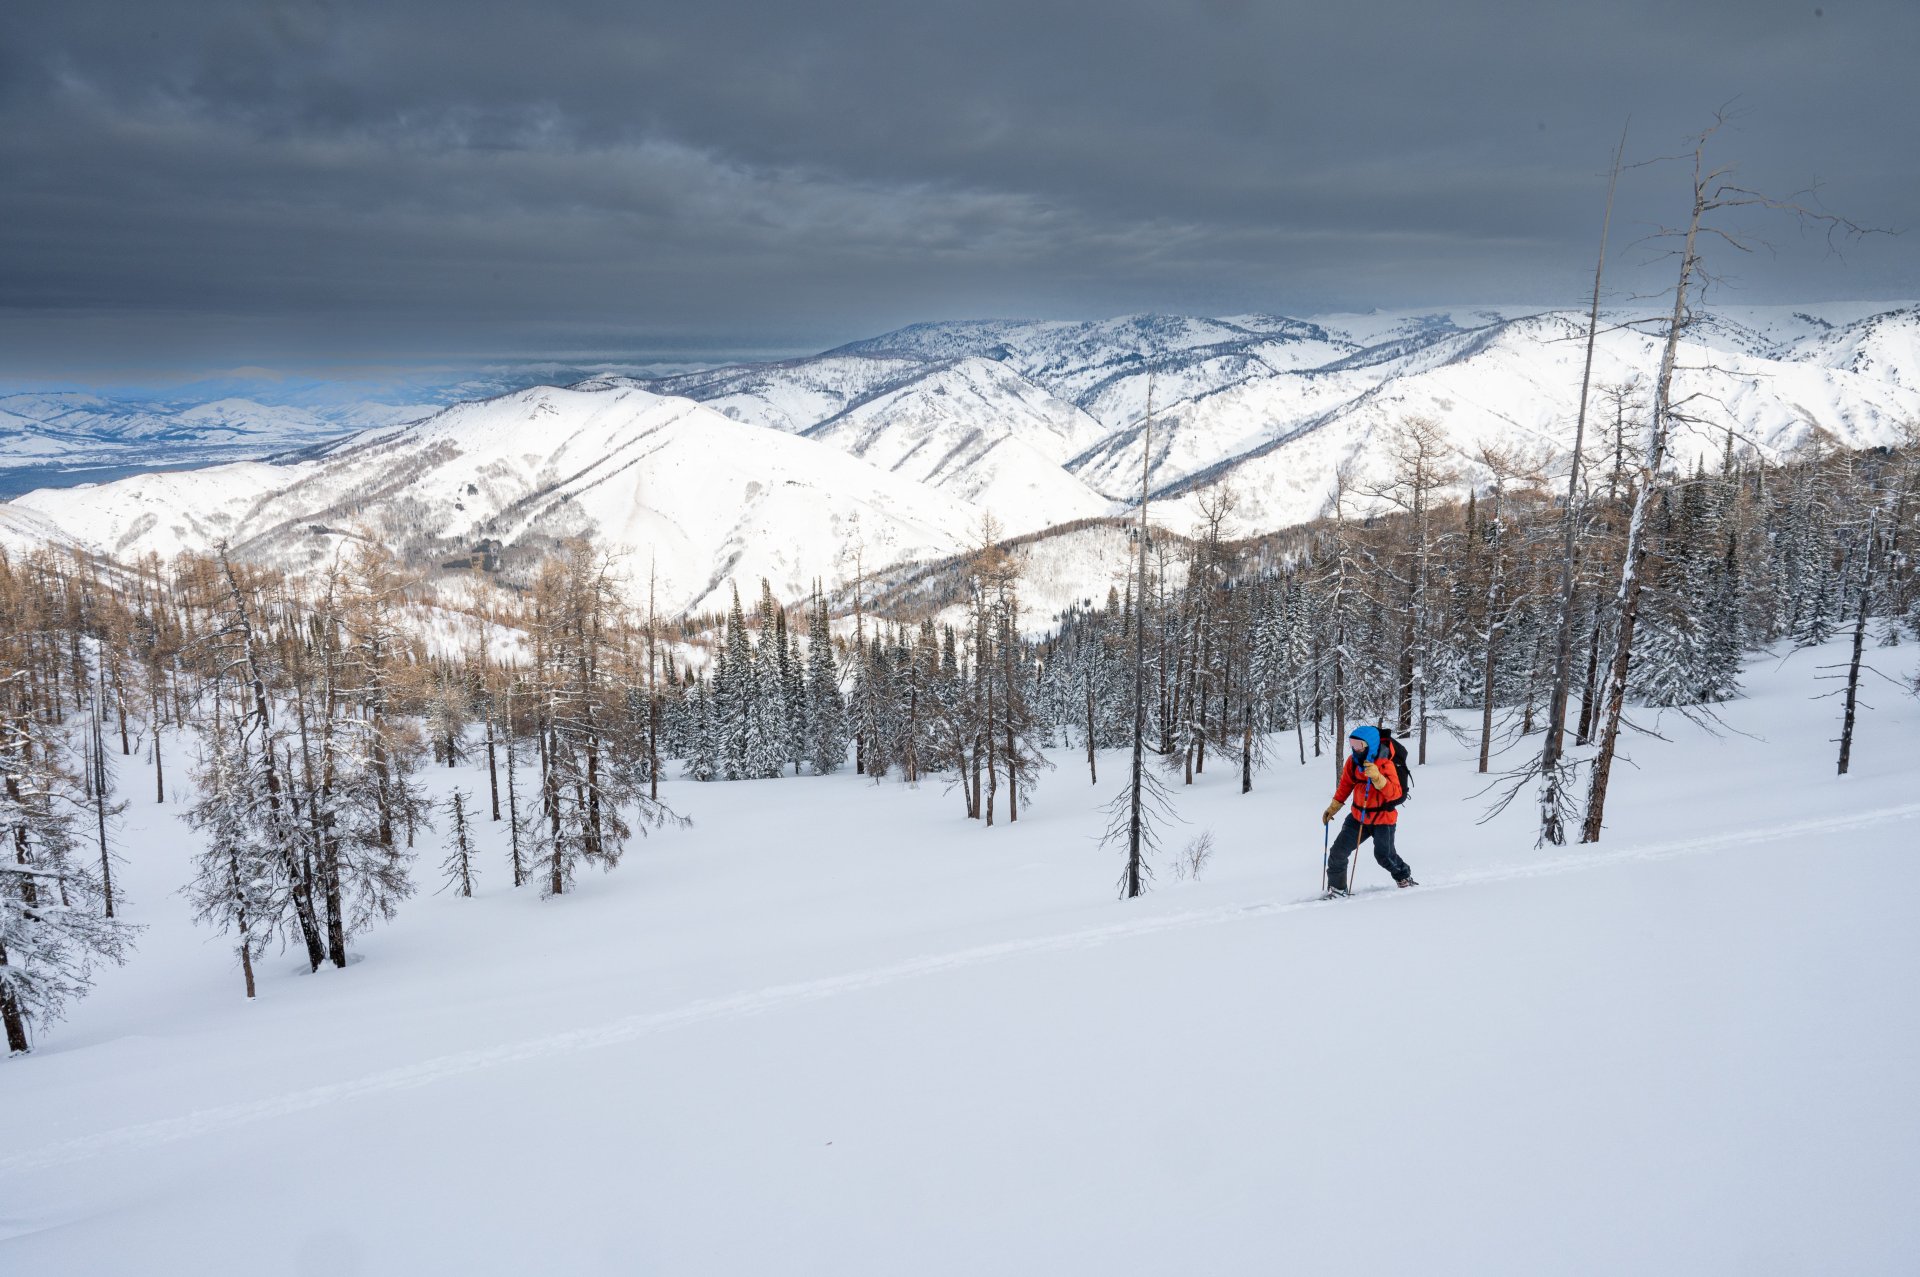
[{"x": 1371, "y": 735}]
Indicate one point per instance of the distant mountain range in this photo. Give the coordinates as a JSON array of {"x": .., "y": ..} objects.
[
  {"x": 60, "y": 437},
  {"x": 896, "y": 449}
]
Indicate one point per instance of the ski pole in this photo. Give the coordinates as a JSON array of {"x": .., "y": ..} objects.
[{"x": 1326, "y": 851}]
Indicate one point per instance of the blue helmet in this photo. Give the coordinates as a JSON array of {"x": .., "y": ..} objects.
[{"x": 1371, "y": 735}]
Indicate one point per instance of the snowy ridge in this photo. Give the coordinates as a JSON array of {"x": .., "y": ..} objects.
[
  {"x": 22, "y": 529},
  {"x": 796, "y": 395},
  {"x": 894, "y": 449},
  {"x": 974, "y": 429},
  {"x": 1882, "y": 346}
]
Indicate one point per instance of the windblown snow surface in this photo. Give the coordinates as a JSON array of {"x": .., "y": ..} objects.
[{"x": 836, "y": 1028}]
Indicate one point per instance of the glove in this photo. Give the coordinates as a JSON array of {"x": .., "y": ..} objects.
[
  {"x": 1333, "y": 809},
  {"x": 1375, "y": 775}
]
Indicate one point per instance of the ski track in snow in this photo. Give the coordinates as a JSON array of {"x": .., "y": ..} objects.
[{"x": 628, "y": 1028}]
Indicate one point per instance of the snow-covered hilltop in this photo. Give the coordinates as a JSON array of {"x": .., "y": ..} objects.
[
  {"x": 703, "y": 498},
  {"x": 897, "y": 448}
]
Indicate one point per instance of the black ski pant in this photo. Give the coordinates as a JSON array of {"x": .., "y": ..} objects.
[{"x": 1352, "y": 834}]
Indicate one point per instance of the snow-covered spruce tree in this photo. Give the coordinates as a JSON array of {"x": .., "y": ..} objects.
[
  {"x": 53, "y": 924},
  {"x": 862, "y": 702},
  {"x": 920, "y": 738},
  {"x": 770, "y": 742},
  {"x": 956, "y": 743},
  {"x": 788, "y": 675},
  {"x": 1666, "y": 668},
  {"x": 826, "y": 715},
  {"x": 680, "y": 724},
  {"x": 879, "y": 725},
  {"x": 1813, "y": 552},
  {"x": 702, "y": 751},
  {"x": 1723, "y": 640},
  {"x": 735, "y": 683},
  {"x": 458, "y": 869}
]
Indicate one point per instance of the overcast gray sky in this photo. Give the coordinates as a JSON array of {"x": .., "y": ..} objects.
[{"x": 217, "y": 183}]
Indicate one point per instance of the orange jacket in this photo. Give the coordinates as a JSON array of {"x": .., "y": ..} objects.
[{"x": 1368, "y": 797}]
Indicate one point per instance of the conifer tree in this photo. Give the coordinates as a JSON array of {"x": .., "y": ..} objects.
[
  {"x": 769, "y": 738},
  {"x": 826, "y": 716},
  {"x": 703, "y": 760},
  {"x": 458, "y": 868},
  {"x": 734, "y": 686}
]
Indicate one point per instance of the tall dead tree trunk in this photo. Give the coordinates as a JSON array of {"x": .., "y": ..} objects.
[
  {"x": 100, "y": 786},
  {"x": 1552, "y": 828},
  {"x": 1627, "y": 610},
  {"x": 1859, "y": 642},
  {"x": 1133, "y": 883}
]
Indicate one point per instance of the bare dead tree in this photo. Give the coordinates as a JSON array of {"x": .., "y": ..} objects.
[
  {"x": 1713, "y": 192},
  {"x": 1852, "y": 690},
  {"x": 1553, "y": 782},
  {"x": 1131, "y": 812}
]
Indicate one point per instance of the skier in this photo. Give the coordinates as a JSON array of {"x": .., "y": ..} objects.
[{"x": 1374, "y": 782}]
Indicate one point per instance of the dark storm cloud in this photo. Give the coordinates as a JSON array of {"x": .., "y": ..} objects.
[{"x": 262, "y": 181}]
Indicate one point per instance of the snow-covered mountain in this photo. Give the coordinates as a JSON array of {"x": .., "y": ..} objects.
[
  {"x": 975, "y": 429},
  {"x": 700, "y": 498},
  {"x": 1514, "y": 386},
  {"x": 894, "y": 450},
  {"x": 795, "y": 395},
  {"x": 1273, "y": 406}
]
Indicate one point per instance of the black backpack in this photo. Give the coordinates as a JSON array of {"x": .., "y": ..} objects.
[{"x": 1398, "y": 753}]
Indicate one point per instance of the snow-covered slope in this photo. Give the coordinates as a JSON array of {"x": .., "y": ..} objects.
[
  {"x": 701, "y": 497},
  {"x": 162, "y": 513},
  {"x": 23, "y": 530},
  {"x": 834, "y": 1027},
  {"x": 973, "y": 428},
  {"x": 1514, "y": 386},
  {"x": 795, "y": 395},
  {"x": 1885, "y": 347},
  {"x": 1089, "y": 363}
]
